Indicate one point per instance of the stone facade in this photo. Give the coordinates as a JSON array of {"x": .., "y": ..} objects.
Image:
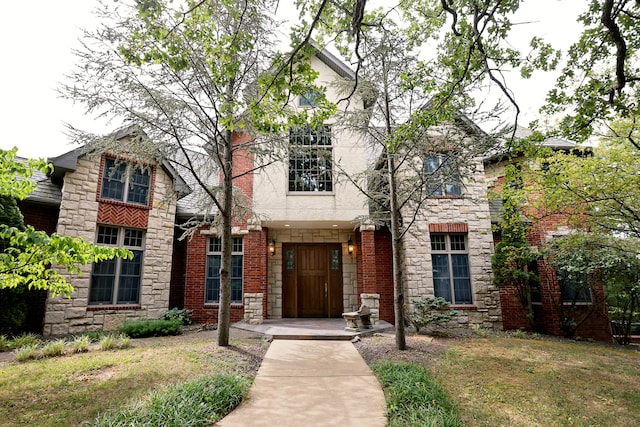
[
  {"x": 288, "y": 235},
  {"x": 253, "y": 314},
  {"x": 470, "y": 215},
  {"x": 78, "y": 217}
]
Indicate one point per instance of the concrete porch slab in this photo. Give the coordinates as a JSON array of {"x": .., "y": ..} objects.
[{"x": 310, "y": 329}]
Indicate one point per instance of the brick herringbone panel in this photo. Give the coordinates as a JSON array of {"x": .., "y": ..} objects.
[
  {"x": 121, "y": 214},
  {"x": 449, "y": 228}
]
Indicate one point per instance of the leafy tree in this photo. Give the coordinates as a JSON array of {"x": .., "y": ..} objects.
[
  {"x": 195, "y": 77},
  {"x": 584, "y": 259},
  {"x": 598, "y": 192},
  {"x": 33, "y": 259},
  {"x": 598, "y": 84},
  {"x": 13, "y": 301},
  {"x": 513, "y": 255},
  {"x": 412, "y": 114}
]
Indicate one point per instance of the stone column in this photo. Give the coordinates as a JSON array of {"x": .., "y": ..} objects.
[
  {"x": 253, "y": 313},
  {"x": 373, "y": 302}
]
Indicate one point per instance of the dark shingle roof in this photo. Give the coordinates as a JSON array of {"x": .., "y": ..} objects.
[
  {"x": 47, "y": 192},
  {"x": 195, "y": 203},
  {"x": 556, "y": 144}
]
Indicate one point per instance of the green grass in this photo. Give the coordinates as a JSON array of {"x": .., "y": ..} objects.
[
  {"x": 413, "y": 397},
  {"x": 74, "y": 388},
  {"x": 200, "y": 402},
  {"x": 521, "y": 382}
]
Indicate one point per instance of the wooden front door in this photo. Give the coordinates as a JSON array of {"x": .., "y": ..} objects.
[{"x": 312, "y": 280}]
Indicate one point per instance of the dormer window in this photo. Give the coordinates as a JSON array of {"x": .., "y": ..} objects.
[{"x": 125, "y": 183}]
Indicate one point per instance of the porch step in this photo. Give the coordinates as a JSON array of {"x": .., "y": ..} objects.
[{"x": 310, "y": 329}]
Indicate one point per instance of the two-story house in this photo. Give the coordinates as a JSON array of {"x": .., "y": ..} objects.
[{"x": 301, "y": 254}]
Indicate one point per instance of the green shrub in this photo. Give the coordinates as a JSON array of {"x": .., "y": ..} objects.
[
  {"x": 431, "y": 311},
  {"x": 24, "y": 340},
  {"x": 108, "y": 342},
  {"x": 124, "y": 341},
  {"x": 151, "y": 328},
  {"x": 5, "y": 343},
  {"x": 80, "y": 344},
  {"x": 94, "y": 336},
  {"x": 177, "y": 314},
  {"x": 200, "y": 402},
  {"x": 413, "y": 397},
  {"x": 52, "y": 348},
  {"x": 27, "y": 352}
]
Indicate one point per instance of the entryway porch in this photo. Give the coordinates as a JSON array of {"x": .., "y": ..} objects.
[{"x": 310, "y": 329}]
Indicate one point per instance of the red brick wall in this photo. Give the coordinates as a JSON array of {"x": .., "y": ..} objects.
[
  {"x": 547, "y": 316},
  {"x": 366, "y": 259},
  {"x": 41, "y": 217},
  {"x": 255, "y": 248},
  {"x": 194, "y": 284},
  {"x": 255, "y": 276},
  {"x": 255, "y": 265},
  {"x": 384, "y": 274},
  {"x": 374, "y": 269},
  {"x": 513, "y": 314}
]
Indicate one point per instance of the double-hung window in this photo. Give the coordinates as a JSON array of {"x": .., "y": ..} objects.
[
  {"x": 125, "y": 183},
  {"x": 310, "y": 159},
  {"x": 450, "y": 261},
  {"x": 214, "y": 262},
  {"x": 442, "y": 175},
  {"x": 117, "y": 281}
]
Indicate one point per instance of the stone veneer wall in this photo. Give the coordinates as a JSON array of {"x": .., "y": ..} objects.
[
  {"x": 349, "y": 279},
  {"x": 472, "y": 210},
  {"x": 78, "y": 214}
]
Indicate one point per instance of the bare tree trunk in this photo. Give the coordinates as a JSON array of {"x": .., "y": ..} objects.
[
  {"x": 224, "y": 311},
  {"x": 396, "y": 250},
  {"x": 398, "y": 288}
]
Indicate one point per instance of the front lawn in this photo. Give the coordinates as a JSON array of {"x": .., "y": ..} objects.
[
  {"x": 70, "y": 389},
  {"x": 506, "y": 381}
]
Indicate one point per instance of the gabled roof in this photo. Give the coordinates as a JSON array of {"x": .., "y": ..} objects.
[
  {"x": 192, "y": 204},
  {"x": 332, "y": 61},
  {"x": 554, "y": 143},
  {"x": 47, "y": 192},
  {"x": 69, "y": 161}
]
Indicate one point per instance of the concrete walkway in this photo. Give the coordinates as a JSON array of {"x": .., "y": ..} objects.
[{"x": 311, "y": 383}]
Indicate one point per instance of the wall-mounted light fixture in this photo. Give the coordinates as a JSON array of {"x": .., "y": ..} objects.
[
  {"x": 350, "y": 246},
  {"x": 272, "y": 247}
]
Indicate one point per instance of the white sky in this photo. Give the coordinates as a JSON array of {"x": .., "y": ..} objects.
[{"x": 37, "y": 36}]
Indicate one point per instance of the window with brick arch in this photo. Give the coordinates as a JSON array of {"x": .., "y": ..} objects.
[
  {"x": 450, "y": 263},
  {"x": 117, "y": 281},
  {"x": 214, "y": 262},
  {"x": 310, "y": 159},
  {"x": 125, "y": 183}
]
